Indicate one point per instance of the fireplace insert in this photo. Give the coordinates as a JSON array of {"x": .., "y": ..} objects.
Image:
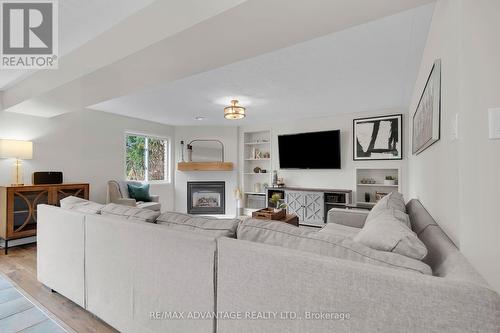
[{"x": 206, "y": 198}]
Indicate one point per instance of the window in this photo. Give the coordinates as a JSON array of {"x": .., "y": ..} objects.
[{"x": 146, "y": 158}]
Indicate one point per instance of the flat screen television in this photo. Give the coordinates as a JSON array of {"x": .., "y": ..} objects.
[{"x": 316, "y": 150}]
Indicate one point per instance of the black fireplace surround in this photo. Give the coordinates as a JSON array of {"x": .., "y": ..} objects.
[{"x": 206, "y": 198}]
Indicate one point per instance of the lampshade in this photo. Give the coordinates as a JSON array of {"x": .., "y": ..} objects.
[
  {"x": 22, "y": 150},
  {"x": 234, "y": 111}
]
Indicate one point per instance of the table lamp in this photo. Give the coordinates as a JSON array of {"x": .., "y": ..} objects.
[{"x": 20, "y": 150}]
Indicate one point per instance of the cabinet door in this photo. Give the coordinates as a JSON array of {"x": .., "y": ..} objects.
[
  {"x": 295, "y": 203},
  {"x": 314, "y": 208},
  {"x": 63, "y": 191},
  {"x": 22, "y": 210}
]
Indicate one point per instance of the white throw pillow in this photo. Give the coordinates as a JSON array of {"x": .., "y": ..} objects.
[
  {"x": 81, "y": 205},
  {"x": 386, "y": 232},
  {"x": 130, "y": 213}
]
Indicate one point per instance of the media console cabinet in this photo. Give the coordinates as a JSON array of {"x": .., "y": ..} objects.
[
  {"x": 311, "y": 205},
  {"x": 18, "y": 206}
]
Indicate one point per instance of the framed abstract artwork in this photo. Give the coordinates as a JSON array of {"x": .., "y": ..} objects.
[
  {"x": 427, "y": 117},
  {"x": 378, "y": 138}
]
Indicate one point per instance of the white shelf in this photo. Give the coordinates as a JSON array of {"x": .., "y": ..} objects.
[
  {"x": 378, "y": 185},
  {"x": 255, "y": 193},
  {"x": 256, "y": 143},
  {"x": 257, "y": 174},
  {"x": 257, "y": 159}
]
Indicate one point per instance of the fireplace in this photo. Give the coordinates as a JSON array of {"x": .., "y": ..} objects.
[{"x": 206, "y": 198}]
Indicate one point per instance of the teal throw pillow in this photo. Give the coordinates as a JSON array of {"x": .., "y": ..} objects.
[{"x": 139, "y": 192}]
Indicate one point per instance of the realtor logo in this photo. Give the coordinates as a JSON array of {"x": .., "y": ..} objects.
[{"x": 29, "y": 34}]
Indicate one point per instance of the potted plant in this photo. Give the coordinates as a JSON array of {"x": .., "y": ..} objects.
[
  {"x": 390, "y": 180},
  {"x": 277, "y": 202}
]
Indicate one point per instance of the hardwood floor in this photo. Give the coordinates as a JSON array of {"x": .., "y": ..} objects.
[{"x": 20, "y": 266}]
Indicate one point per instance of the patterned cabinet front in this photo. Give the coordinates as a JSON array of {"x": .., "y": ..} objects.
[
  {"x": 295, "y": 202},
  {"x": 22, "y": 205},
  {"x": 60, "y": 192},
  {"x": 314, "y": 208}
]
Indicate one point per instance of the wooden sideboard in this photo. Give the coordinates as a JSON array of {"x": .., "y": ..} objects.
[{"x": 18, "y": 206}]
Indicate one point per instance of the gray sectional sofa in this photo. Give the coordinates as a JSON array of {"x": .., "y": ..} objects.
[{"x": 189, "y": 274}]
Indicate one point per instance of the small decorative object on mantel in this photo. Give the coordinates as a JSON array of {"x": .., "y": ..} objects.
[
  {"x": 238, "y": 197},
  {"x": 257, "y": 170},
  {"x": 263, "y": 171},
  {"x": 367, "y": 197},
  {"x": 390, "y": 180},
  {"x": 281, "y": 182},
  {"x": 182, "y": 151},
  {"x": 257, "y": 187},
  {"x": 378, "y": 138},
  {"x": 266, "y": 155},
  {"x": 427, "y": 117}
]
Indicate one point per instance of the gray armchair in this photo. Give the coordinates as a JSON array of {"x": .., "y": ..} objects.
[{"x": 118, "y": 194}]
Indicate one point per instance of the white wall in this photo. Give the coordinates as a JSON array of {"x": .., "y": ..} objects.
[
  {"x": 87, "y": 146},
  {"x": 229, "y": 137},
  {"x": 458, "y": 181},
  {"x": 434, "y": 176},
  {"x": 335, "y": 179}
]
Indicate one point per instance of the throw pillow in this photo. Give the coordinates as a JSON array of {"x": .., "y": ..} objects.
[
  {"x": 386, "y": 232},
  {"x": 139, "y": 192},
  {"x": 81, "y": 205},
  {"x": 130, "y": 213}
]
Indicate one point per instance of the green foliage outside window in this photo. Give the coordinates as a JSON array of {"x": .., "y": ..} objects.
[{"x": 146, "y": 167}]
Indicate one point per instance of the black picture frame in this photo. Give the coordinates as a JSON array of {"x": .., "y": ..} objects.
[
  {"x": 358, "y": 154},
  {"x": 432, "y": 85}
]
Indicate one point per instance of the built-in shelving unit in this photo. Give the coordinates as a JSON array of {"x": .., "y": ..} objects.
[
  {"x": 256, "y": 145},
  {"x": 372, "y": 181}
]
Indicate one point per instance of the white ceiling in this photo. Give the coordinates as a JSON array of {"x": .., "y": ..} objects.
[
  {"x": 368, "y": 67},
  {"x": 79, "y": 22}
]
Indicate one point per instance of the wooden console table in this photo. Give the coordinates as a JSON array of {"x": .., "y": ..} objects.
[{"x": 18, "y": 206}]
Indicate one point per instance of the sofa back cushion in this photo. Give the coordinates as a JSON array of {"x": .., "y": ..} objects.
[
  {"x": 388, "y": 231},
  {"x": 443, "y": 256},
  {"x": 130, "y": 213},
  {"x": 282, "y": 234},
  {"x": 81, "y": 205},
  {"x": 207, "y": 225}
]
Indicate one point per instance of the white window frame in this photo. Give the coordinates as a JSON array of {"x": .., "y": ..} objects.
[{"x": 167, "y": 179}]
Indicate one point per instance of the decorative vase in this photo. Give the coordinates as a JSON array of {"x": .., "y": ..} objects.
[
  {"x": 257, "y": 187},
  {"x": 389, "y": 182},
  {"x": 367, "y": 197}
]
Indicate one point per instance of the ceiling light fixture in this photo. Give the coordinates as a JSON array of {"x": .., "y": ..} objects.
[
  {"x": 234, "y": 111},
  {"x": 199, "y": 118}
]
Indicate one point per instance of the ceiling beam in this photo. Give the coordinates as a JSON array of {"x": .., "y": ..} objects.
[{"x": 126, "y": 59}]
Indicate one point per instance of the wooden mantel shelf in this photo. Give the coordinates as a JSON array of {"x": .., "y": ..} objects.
[{"x": 205, "y": 166}]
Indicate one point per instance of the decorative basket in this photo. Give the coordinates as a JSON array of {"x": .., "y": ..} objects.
[{"x": 269, "y": 214}]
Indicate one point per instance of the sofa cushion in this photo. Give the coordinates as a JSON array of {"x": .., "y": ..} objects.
[
  {"x": 282, "y": 234},
  {"x": 81, "y": 205},
  {"x": 130, "y": 213},
  {"x": 207, "y": 225},
  {"x": 139, "y": 192},
  {"x": 393, "y": 200},
  {"x": 386, "y": 231},
  {"x": 340, "y": 230}
]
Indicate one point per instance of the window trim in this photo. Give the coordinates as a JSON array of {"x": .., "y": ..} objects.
[{"x": 168, "y": 157}]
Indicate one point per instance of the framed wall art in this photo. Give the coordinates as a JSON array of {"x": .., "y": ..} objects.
[
  {"x": 427, "y": 117},
  {"x": 378, "y": 138}
]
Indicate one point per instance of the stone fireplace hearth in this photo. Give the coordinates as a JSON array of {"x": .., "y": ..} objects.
[{"x": 206, "y": 197}]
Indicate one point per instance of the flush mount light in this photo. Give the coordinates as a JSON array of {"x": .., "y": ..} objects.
[
  {"x": 199, "y": 118},
  {"x": 234, "y": 111}
]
